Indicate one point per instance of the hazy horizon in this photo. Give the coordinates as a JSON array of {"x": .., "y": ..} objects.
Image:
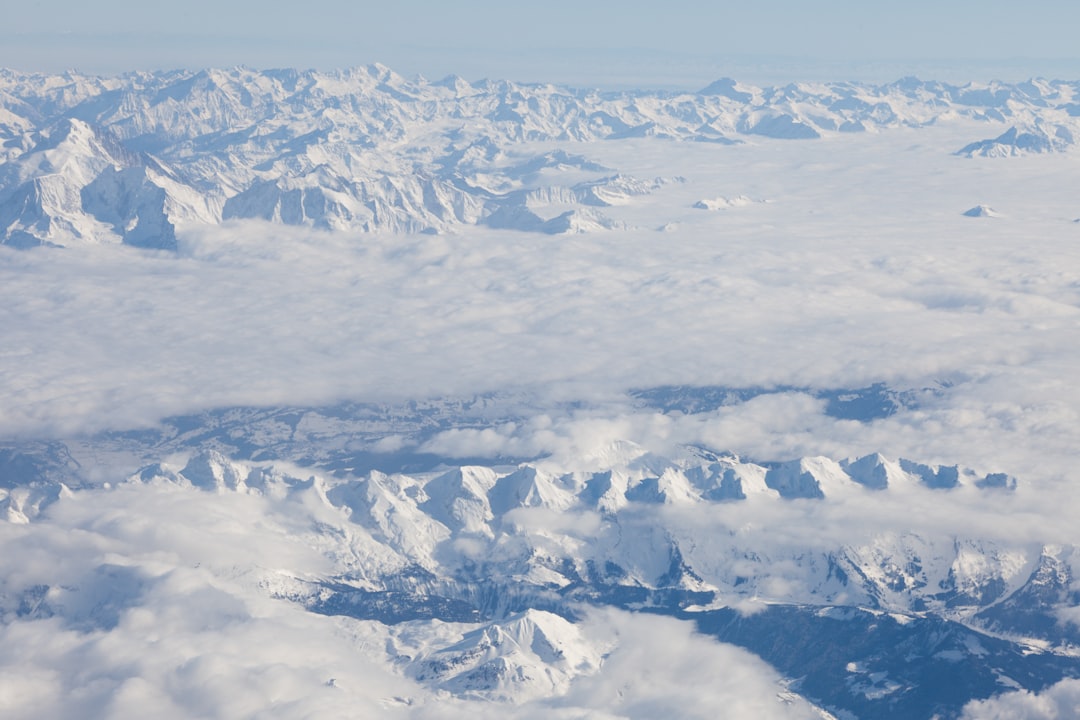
[{"x": 679, "y": 46}]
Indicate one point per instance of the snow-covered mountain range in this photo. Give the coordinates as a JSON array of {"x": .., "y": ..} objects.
[
  {"x": 821, "y": 566},
  {"x": 92, "y": 159}
]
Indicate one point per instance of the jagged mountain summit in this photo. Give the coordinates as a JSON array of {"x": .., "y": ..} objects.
[
  {"x": 128, "y": 159},
  {"x": 75, "y": 185},
  {"x": 1016, "y": 142},
  {"x": 981, "y": 211},
  {"x": 532, "y": 654}
]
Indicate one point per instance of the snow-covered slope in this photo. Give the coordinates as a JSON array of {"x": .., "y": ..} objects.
[
  {"x": 532, "y": 654},
  {"x": 77, "y": 184}
]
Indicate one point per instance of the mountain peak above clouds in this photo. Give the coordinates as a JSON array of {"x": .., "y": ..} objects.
[
  {"x": 1014, "y": 141},
  {"x": 532, "y": 654},
  {"x": 982, "y": 211},
  {"x": 729, "y": 88}
]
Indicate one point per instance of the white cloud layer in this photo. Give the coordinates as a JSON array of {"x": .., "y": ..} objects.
[
  {"x": 157, "y": 612},
  {"x": 859, "y": 268},
  {"x": 1057, "y": 702}
]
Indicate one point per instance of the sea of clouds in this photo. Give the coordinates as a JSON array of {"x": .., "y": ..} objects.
[{"x": 856, "y": 267}]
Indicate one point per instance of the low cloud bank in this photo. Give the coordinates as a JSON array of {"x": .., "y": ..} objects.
[
  {"x": 866, "y": 277},
  {"x": 1057, "y": 702}
]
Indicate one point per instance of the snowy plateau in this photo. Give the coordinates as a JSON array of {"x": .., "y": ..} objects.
[{"x": 350, "y": 395}]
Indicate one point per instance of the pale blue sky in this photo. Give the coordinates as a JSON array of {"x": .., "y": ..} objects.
[{"x": 677, "y": 43}]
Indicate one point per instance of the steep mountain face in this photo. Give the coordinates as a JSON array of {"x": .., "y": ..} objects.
[
  {"x": 532, "y": 654},
  {"x": 76, "y": 184},
  {"x": 819, "y": 566},
  {"x": 99, "y": 160},
  {"x": 1014, "y": 142}
]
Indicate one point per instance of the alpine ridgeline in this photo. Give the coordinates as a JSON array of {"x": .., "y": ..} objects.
[{"x": 129, "y": 159}]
